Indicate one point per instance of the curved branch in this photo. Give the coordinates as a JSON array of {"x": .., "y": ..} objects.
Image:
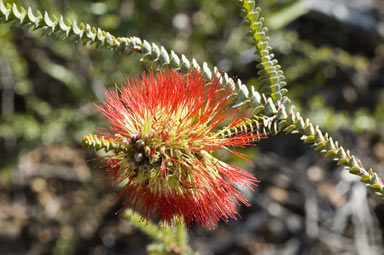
[
  {"x": 156, "y": 55},
  {"x": 287, "y": 119}
]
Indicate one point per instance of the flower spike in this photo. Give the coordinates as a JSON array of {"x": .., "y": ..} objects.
[{"x": 164, "y": 131}]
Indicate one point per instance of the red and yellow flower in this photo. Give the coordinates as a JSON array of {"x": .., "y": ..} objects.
[{"x": 167, "y": 129}]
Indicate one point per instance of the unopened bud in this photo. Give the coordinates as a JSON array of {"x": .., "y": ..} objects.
[
  {"x": 135, "y": 137},
  {"x": 139, "y": 157},
  {"x": 140, "y": 144}
]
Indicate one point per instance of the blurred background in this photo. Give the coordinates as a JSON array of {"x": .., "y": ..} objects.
[{"x": 53, "y": 201}]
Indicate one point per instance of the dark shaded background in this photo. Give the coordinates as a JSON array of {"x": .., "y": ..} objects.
[{"x": 52, "y": 200}]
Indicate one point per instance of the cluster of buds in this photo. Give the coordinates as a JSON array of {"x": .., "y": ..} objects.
[
  {"x": 168, "y": 126},
  {"x": 141, "y": 156}
]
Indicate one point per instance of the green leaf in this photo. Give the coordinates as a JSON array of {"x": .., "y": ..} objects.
[
  {"x": 331, "y": 153},
  {"x": 366, "y": 179},
  {"x": 342, "y": 161},
  {"x": 377, "y": 188},
  {"x": 355, "y": 170},
  {"x": 289, "y": 129}
]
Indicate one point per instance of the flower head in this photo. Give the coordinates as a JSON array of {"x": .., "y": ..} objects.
[{"x": 165, "y": 129}]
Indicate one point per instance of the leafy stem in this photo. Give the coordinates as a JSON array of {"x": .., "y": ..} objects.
[
  {"x": 288, "y": 120},
  {"x": 169, "y": 240}
]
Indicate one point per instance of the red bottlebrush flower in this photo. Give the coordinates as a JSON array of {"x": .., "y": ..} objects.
[{"x": 166, "y": 127}]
